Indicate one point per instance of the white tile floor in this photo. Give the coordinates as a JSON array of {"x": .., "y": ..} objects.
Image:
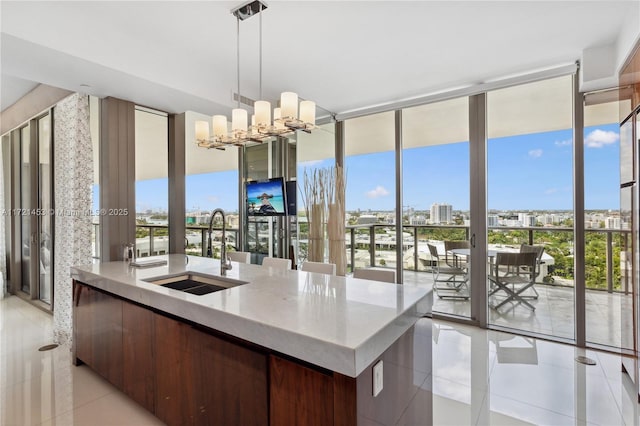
[
  {"x": 553, "y": 315},
  {"x": 478, "y": 377}
]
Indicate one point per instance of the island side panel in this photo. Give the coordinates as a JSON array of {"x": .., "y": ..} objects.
[
  {"x": 406, "y": 373},
  {"x": 299, "y": 395}
]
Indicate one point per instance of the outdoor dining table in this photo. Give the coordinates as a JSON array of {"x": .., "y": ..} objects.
[{"x": 491, "y": 254}]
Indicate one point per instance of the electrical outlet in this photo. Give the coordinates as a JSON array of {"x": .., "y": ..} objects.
[{"x": 377, "y": 378}]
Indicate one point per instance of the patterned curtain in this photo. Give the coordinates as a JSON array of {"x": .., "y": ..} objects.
[{"x": 73, "y": 177}]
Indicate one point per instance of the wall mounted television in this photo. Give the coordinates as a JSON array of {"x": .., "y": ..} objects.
[
  {"x": 291, "y": 191},
  {"x": 266, "y": 197}
]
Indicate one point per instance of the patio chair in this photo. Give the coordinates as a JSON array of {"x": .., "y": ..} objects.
[
  {"x": 448, "y": 282},
  {"x": 319, "y": 267},
  {"x": 375, "y": 274},
  {"x": 450, "y": 258},
  {"x": 276, "y": 263},
  {"x": 513, "y": 274},
  {"x": 538, "y": 250},
  {"x": 239, "y": 256}
]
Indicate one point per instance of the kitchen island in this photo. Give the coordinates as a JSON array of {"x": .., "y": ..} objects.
[{"x": 276, "y": 347}]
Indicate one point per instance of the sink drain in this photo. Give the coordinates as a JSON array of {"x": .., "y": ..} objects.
[
  {"x": 47, "y": 347},
  {"x": 585, "y": 360}
]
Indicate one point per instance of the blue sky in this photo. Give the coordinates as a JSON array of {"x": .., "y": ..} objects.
[{"x": 531, "y": 171}]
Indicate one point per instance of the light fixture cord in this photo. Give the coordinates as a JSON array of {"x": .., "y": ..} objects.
[
  {"x": 238, "y": 55},
  {"x": 260, "y": 76}
]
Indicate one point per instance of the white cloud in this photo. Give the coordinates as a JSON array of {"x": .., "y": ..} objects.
[
  {"x": 555, "y": 190},
  {"x": 599, "y": 138},
  {"x": 535, "y": 153},
  {"x": 380, "y": 191},
  {"x": 309, "y": 163},
  {"x": 565, "y": 142}
]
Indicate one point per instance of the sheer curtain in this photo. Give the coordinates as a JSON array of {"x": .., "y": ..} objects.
[{"x": 73, "y": 176}]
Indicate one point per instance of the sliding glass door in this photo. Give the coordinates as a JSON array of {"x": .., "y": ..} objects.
[
  {"x": 530, "y": 203},
  {"x": 436, "y": 211},
  {"x": 32, "y": 210}
]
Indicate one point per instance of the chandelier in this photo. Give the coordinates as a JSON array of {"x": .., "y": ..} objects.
[{"x": 291, "y": 116}]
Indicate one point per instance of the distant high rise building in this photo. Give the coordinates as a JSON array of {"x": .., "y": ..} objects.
[
  {"x": 526, "y": 219},
  {"x": 441, "y": 213},
  {"x": 613, "y": 222},
  {"x": 492, "y": 220},
  {"x": 417, "y": 220}
]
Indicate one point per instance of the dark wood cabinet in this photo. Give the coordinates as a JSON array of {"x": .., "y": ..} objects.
[
  {"x": 187, "y": 374},
  {"x": 202, "y": 379},
  {"x": 138, "y": 354},
  {"x": 98, "y": 332},
  {"x": 299, "y": 395},
  {"x": 174, "y": 355}
]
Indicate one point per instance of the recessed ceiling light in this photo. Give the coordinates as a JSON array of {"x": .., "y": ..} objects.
[{"x": 84, "y": 85}]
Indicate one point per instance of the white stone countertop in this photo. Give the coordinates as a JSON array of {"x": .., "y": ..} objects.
[{"x": 341, "y": 324}]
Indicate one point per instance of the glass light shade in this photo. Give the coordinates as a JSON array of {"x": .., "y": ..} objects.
[
  {"x": 253, "y": 120},
  {"x": 239, "y": 120},
  {"x": 202, "y": 130},
  {"x": 277, "y": 115},
  {"x": 289, "y": 104},
  {"x": 308, "y": 112},
  {"x": 219, "y": 126},
  {"x": 263, "y": 113}
]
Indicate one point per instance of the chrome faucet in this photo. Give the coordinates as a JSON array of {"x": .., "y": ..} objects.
[{"x": 225, "y": 264}]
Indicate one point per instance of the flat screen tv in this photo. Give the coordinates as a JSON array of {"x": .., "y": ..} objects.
[
  {"x": 291, "y": 187},
  {"x": 266, "y": 197}
]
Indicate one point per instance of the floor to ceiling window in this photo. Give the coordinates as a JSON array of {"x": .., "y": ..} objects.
[
  {"x": 31, "y": 210},
  {"x": 530, "y": 202},
  {"x": 314, "y": 151},
  {"x": 370, "y": 200},
  {"x": 94, "y": 127},
  {"x": 45, "y": 203},
  {"x": 606, "y": 289},
  {"x": 152, "y": 182},
  {"x": 435, "y": 141},
  {"x": 25, "y": 203},
  {"x": 211, "y": 182},
  {"x": 6, "y": 178}
]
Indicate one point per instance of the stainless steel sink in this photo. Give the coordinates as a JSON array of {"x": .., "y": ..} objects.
[{"x": 195, "y": 283}]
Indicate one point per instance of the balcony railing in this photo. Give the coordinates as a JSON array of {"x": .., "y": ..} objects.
[
  {"x": 370, "y": 238},
  {"x": 153, "y": 240},
  {"x": 363, "y": 237}
]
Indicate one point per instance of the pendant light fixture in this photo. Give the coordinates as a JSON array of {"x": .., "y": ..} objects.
[{"x": 291, "y": 116}]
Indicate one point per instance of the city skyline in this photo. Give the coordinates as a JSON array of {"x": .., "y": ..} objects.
[{"x": 525, "y": 172}]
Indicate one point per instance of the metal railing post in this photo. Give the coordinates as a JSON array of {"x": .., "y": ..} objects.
[
  {"x": 609, "y": 262},
  {"x": 530, "y": 237},
  {"x": 203, "y": 246},
  {"x": 151, "y": 232},
  {"x": 353, "y": 249},
  {"x": 372, "y": 245},
  {"x": 415, "y": 248}
]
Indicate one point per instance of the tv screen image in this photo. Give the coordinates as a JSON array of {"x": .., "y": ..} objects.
[{"x": 266, "y": 198}]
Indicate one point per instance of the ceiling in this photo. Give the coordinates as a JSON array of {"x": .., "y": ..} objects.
[{"x": 180, "y": 56}]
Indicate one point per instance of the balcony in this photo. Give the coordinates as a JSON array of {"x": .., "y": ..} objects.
[{"x": 608, "y": 291}]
